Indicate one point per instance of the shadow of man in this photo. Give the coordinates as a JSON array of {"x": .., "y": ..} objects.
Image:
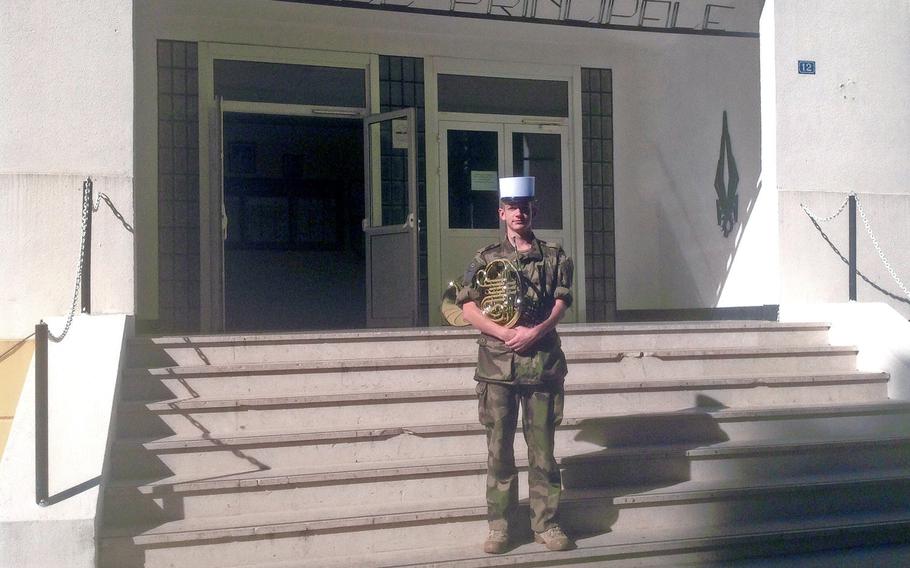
[{"x": 638, "y": 453}]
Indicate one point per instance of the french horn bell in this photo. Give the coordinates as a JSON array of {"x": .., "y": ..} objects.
[{"x": 501, "y": 292}]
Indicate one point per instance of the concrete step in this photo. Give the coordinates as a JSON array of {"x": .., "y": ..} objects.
[
  {"x": 417, "y": 481},
  {"x": 437, "y": 373},
  {"x": 724, "y": 503},
  {"x": 325, "y": 532},
  {"x": 447, "y": 341},
  {"x": 696, "y": 427},
  {"x": 682, "y": 441},
  {"x": 838, "y": 539},
  {"x": 866, "y": 554},
  {"x": 191, "y": 414}
]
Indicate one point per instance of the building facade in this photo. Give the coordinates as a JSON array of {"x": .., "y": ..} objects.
[
  {"x": 298, "y": 165},
  {"x": 236, "y": 140}
]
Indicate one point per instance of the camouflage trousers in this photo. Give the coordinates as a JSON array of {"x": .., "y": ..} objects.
[{"x": 541, "y": 412}]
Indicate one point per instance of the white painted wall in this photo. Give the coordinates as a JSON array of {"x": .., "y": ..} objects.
[
  {"x": 754, "y": 276},
  {"x": 66, "y": 106},
  {"x": 669, "y": 95},
  {"x": 845, "y": 129},
  {"x": 669, "y": 103}
]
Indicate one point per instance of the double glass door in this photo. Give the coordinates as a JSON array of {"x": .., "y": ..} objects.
[{"x": 473, "y": 156}]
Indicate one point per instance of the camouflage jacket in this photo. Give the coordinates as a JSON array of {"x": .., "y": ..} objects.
[{"x": 547, "y": 274}]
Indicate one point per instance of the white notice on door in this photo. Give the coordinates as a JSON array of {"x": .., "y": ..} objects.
[
  {"x": 484, "y": 181},
  {"x": 399, "y": 133}
]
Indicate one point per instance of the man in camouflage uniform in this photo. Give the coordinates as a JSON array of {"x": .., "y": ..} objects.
[{"x": 522, "y": 366}]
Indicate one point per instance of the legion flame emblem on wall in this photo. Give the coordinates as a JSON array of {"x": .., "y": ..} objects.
[{"x": 726, "y": 181}]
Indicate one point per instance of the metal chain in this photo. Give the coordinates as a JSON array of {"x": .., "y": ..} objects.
[
  {"x": 86, "y": 204},
  {"x": 113, "y": 209},
  {"x": 818, "y": 219},
  {"x": 881, "y": 254}
]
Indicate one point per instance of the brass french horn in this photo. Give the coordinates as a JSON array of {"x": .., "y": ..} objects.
[{"x": 501, "y": 289}]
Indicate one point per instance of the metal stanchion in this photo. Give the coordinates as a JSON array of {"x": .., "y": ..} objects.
[
  {"x": 852, "y": 230},
  {"x": 87, "y": 253},
  {"x": 41, "y": 415}
]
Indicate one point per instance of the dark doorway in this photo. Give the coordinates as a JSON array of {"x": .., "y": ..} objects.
[{"x": 293, "y": 194}]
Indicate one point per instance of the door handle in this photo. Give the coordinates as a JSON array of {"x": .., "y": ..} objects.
[{"x": 224, "y": 222}]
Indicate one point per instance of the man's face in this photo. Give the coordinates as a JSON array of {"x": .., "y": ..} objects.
[{"x": 517, "y": 215}]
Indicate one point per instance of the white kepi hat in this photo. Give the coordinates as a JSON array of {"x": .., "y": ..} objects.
[{"x": 516, "y": 188}]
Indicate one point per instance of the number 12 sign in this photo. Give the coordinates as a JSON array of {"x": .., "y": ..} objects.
[{"x": 806, "y": 67}]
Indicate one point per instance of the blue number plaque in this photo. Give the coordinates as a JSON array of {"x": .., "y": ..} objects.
[{"x": 806, "y": 67}]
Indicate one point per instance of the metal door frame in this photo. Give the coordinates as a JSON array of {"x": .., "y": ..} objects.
[{"x": 211, "y": 284}]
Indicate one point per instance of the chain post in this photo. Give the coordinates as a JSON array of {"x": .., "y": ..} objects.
[
  {"x": 84, "y": 268},
  {"x": 41, "y": 415},
  {"x": 852, "y": 230},
  {"x": 87, "y": 250},
  {"x": 855, "y": 206}
]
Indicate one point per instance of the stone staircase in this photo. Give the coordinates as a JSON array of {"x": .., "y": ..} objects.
[{"x": 682, "y": 442}]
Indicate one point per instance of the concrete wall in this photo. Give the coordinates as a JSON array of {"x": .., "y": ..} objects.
[
  {"x": 754, "y": 273},
  {"x": 846, "y": 128},
  {"x": 670, "y": 91},
  {"x": 668, "y": 107},
  {"x": 82, "y": 380},
  {"x": 66, "y": 106}
]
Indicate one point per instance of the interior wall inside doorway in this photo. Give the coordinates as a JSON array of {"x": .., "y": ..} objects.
[{"x": 293, "y": 193}]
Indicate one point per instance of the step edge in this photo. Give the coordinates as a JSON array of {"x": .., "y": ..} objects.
[
  {"x": 446, "y": 332},
  {"x": 658, "y": 548},
  {"x": 367, "y": 474},
  {"x": 805, "y": 483},
  {"x": 464, "y": 512},
  {"x": 384, "y": 397},
  {"x": 329, "y": 365},
  {"x": 757, "y": 413}
]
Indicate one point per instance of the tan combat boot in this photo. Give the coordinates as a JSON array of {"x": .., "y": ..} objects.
[
  {"x": 497, "y": 542},
  {"x": 554, "y": 539}
]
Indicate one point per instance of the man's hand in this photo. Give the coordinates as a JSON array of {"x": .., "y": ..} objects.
[
  {"x": 523, "y": 339},
  {"x": 519, "y": 339}
]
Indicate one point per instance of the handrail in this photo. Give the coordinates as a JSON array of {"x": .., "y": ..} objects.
[{"x": 42, "y": 335}]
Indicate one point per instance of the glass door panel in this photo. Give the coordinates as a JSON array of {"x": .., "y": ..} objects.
[
  {"x": 391, "y": 197},
  {"x": 472, "y": 167},
  {"x": 539, "y": 154},
  {"x": 472, "y": 156}
]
